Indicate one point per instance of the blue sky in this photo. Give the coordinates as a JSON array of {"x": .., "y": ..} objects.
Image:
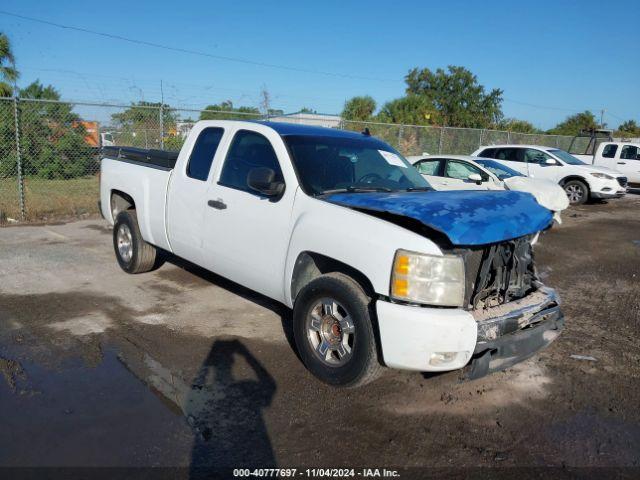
[{"x": 551, "y": 58}]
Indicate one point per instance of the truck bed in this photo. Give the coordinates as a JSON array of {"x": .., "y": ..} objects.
[{"x": 164, "y": 159}]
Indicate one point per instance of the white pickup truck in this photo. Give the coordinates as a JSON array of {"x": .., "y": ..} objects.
[
  {"x": 621, "y": 156},
  {"x": 378, "y": 268}
]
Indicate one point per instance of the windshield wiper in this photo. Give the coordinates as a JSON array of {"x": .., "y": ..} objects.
[
  {"x": 419, "y": 189},
  {"x": 357, "y": 190}
]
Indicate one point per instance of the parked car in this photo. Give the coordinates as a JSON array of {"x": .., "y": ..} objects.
[
  {"x": 579, "y": 180},
  {"x": 463, "y": 172},
  {"x": 377, "y": 267}
]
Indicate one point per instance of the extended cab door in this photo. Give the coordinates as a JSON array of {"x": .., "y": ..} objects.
[
  {"x": 608, "y": 155},
  {"x": 187, "y": 192},
  {"x": 246, "y": 234}
]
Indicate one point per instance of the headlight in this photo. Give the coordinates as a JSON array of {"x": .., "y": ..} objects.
[
  {"x": 602, "y": 175},
  {"x": 428, "y": 279}
]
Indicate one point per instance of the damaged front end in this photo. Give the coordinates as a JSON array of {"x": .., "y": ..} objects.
[{"x": 516, "y": 314}]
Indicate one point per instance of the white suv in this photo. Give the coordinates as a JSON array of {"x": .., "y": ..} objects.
[{"x": 579, "y": 180}]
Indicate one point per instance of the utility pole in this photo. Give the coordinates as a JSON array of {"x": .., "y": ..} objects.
[
  {"x": 602, "y": 118},
  {"x": 161, "y": 117}
]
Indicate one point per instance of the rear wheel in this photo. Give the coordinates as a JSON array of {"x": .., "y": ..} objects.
[
  {"x": 577, "y": 192},
  {"x": 334, "y": 332},
  {"x": 134, "y": 255}
]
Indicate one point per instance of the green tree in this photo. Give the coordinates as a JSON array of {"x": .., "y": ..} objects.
[
  {"x": 139, "y": 125},
  {"x": 226, "y": 111},
  {"x": 629, "y": 129},
  {"x": 574, "y": 124},
  {"x": 51, "y": 136},
  {"x": 8, "y": 73},
  {"x": 307, "y": 110},
  {"x": 515, "y": 125},
  {"x": 456, "y": 96},
  {"x": 411, "y": 110},
  {"x": 359, "y": 108}
]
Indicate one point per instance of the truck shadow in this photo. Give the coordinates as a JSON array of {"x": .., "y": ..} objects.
[{"x": 225, "y": 412}]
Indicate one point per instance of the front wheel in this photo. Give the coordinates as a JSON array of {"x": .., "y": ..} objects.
[
  {"x": 577, "y": 192},
  {"x": 134, "y": 255},
  {"x": 332, "y": 324}
]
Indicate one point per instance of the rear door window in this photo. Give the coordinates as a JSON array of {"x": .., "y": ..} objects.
[
  {"x": 610, "y": 150},
  {"x": 488, "y": 153},
  {"x": 509, "y": 154},
  {"x": 203, "y": 152}
]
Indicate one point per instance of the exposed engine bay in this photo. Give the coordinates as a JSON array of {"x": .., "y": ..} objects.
[{"x": 498, "y": 273}]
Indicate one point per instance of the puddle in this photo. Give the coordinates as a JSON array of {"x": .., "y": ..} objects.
[
  {"x": 76, "y": 415},
  {"x": 126, "y": 408}
]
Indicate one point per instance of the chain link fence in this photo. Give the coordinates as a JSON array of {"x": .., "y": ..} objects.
[{"x": 50, "y": 159}]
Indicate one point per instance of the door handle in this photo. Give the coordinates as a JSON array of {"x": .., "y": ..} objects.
[
  {"x": 622, "y": 163},
  {"x": 217, "y": 204}
]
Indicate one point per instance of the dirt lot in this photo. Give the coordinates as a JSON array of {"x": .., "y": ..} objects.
[{"x": 181, "y": 367}]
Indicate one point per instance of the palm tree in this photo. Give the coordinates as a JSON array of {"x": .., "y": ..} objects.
[{"x": 8, "y": 72}]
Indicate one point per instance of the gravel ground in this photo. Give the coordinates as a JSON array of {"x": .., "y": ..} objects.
[{"x": 180, "y": 367}]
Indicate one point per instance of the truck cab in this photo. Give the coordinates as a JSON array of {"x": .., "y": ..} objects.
[
  {"x": 621, "y": 156},
  {"x": 379, "y": 269}
]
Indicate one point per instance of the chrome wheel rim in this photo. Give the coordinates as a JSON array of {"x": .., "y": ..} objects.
[
  {"x": 330, "y": 332},
  {"x": 125, "y": 242},
  {"x": 574, "y": 192}
]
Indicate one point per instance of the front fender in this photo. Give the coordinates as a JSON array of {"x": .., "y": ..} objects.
[{"x": 365, "y": 243}]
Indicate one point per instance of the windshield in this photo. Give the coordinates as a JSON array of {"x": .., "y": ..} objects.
[
  {"x": 498, "y": 169},
  {"x": 329, "y": 164},
  {"x": 566, "y": 157}
]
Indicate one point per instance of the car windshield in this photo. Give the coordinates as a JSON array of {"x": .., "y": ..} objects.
[
  {"x": 498, "y": 169},
  {"x": 338, "y": 164},
  {"x": 566, "y": 157}
]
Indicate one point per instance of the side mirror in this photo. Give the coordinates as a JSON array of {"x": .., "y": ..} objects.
[
  {"x": 262, "y": 180},
  {"x": 475, "y": 177},
  {"x": 550, "y": 161}
]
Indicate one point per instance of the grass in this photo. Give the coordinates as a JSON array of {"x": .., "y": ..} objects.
[{"x": 48, "y": 199}]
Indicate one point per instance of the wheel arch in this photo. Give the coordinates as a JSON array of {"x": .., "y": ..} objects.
[
  {"x": 119, "y": 202},
  {"x": 568, "y": 178},
  {"x": 310, "y": 265}
]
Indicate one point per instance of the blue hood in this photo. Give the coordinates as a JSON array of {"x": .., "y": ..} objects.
[{"x": 465, "y": 217}]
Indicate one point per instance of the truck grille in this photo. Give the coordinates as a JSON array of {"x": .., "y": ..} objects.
[
  {"x": 622, "y": 181},
  {"x": 498, "y": 273}
]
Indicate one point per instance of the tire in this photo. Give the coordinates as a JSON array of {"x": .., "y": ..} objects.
[
  {"x": 577, "y": 191},
  {"x": 345, "y": 327},
  {"x": 142, "y": 256}
]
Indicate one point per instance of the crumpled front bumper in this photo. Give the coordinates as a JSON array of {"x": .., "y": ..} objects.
[{"x": 516, "y": 333}]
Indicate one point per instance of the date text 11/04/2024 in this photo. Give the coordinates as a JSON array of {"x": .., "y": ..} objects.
[{"x": 317, "y": 472}]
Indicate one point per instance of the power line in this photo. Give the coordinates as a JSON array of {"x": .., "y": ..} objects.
[
  {"x": 543, "y": 107},
  {"x": 244, "y": 60},
  {"x": 193, "y": 52}
]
